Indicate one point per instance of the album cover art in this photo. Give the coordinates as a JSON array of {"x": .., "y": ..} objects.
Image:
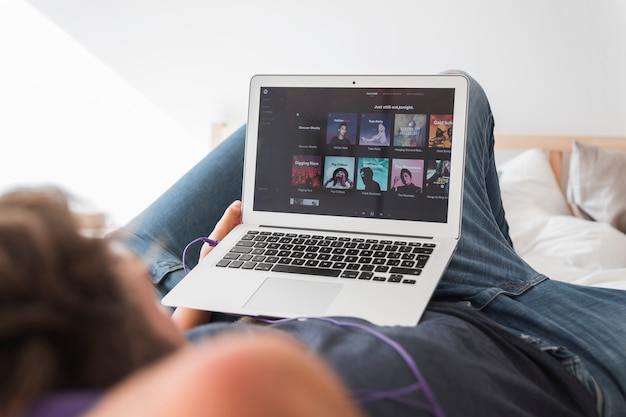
[
  {"x": 440, "y": 131},
  {"x": 407, "y": 176},
  {"x": 375, "y": 129},
  {"x": 438, "y": 177},
  {"x": 306, "y": 171},
  {"x": 410, "y": 130},
  {"x": 372, "y": 174},
  {"x": 341, "y": 129},
  {"x": 339, "y": 172}
]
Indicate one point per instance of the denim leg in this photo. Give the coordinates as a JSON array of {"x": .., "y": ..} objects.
[
  {"x": 588, "y": 322},
  {"x": 485, "y": 263},
  {"x": 188, "y": 210},
  {"x": 485, "y": 271},
  {"x": 582, "y": 327}
]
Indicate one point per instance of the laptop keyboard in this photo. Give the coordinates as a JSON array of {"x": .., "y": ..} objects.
[{"x": 330, "y": 256}]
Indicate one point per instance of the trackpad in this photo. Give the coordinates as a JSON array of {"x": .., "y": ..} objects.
[{"x": 293, "y": 297}]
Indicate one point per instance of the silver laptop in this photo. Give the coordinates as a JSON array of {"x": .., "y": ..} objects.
[{"x": 352, "y": 196}]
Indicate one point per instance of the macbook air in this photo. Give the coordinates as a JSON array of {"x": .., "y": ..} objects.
[{"x": 352, "y": 199}]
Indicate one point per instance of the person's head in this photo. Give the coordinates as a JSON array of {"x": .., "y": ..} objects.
[
  {"x": 367, "y": 174},
  {"x": 381, "y": 128},
  {"x": 405, "y": 176},
  {"x": 342, "y": 130},
  {"x": 72, "y": 311},
  {"x": 340, "y": 175}
]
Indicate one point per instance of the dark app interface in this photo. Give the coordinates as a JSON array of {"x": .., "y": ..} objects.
[{"x": 355, "y": 152}]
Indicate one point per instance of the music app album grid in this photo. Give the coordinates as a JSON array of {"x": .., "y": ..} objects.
[{"x": 355, "y": 152}]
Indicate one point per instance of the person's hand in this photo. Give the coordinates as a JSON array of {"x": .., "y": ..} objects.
[
  {"x": 230, "y": 219},
  {"x": 396, "y": 180},
  {"x": 186, "y": 318}
]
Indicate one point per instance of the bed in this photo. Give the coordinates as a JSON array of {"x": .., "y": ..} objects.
[{"x": 565, "y": 200}]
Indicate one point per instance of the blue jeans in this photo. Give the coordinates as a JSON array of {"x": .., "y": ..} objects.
[{"x": 582, "y": 327}]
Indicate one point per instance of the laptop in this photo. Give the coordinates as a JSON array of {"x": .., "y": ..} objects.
[{"x": 352, "y": 200}]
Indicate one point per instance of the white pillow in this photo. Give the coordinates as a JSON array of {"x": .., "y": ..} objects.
[
  {"x": 568, "y": 248},
  {"x": 530, "y": 195},
  {"x": 546, "y": 235},
  {"x": 596, "y": 188},
  {"x": 528, "y": 179}
]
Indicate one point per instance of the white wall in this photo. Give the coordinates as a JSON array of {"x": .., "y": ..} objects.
[{"x": 141, "y": 81}]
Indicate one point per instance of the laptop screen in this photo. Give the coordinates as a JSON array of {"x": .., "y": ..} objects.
[{"x": 355, "y": 152}]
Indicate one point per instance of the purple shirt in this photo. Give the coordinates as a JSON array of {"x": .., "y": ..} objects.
[{"x": 64, "y": 404}]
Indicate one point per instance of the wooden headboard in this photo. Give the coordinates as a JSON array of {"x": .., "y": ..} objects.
[{"x": 557, "y": 146}]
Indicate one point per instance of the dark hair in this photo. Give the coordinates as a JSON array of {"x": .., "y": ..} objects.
[
  {"x": 336, "y": 171},
  {"x": 65, "y": 320}
]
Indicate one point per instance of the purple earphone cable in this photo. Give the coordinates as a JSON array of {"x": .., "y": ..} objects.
[
  {"x": 211, "y": 242},
  {"x": 430, "y": 404}
]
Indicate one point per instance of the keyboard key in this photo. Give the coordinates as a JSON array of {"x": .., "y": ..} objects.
[
  {"x": 366, "y": 275},
  {"x": 307, "y": 270},
  {"x": 235, "y": 264},
  {"x": 263, "y": 267},
  {"x": 238, "y": 249},
  {"x": 249, "y": 265},
  {"x": 423, "y": 250},
  {"x": 349, "y": 274},
  {"x": 405, "y": 271},
  {"x": 395, "y": 278}
]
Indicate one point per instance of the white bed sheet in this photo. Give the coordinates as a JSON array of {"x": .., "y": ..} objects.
[{"x": 548, "y": 237}]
